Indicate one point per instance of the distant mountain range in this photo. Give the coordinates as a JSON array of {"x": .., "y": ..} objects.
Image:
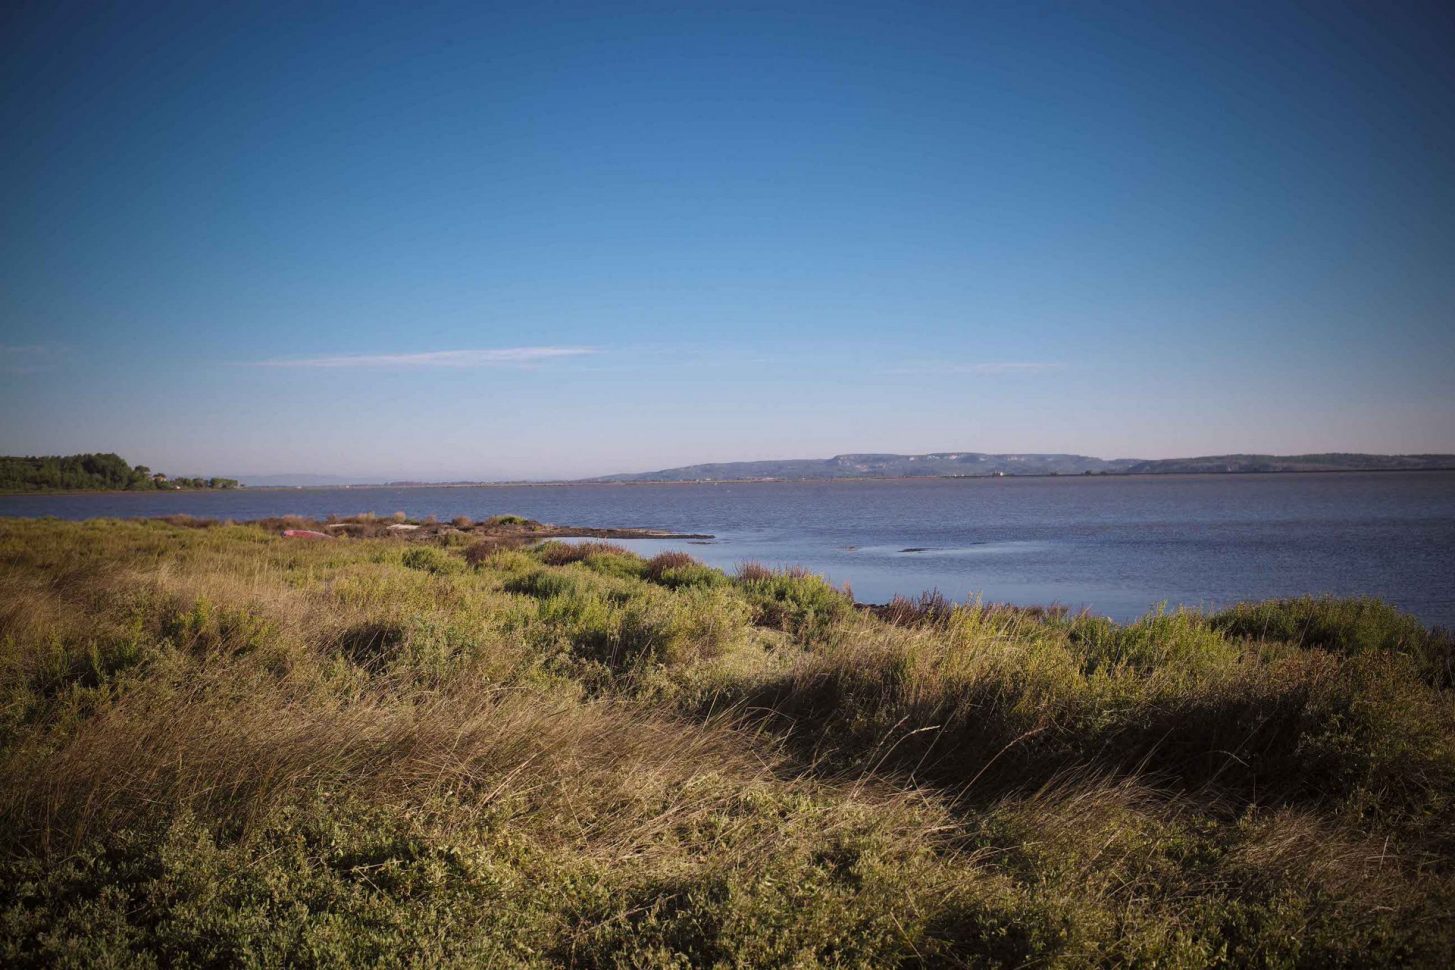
[
  {"x": 1333, "y": 462},
  {"x": 976, "y": 464}
]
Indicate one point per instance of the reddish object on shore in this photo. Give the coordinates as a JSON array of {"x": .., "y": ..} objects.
[{"x": 305, "y": 534}]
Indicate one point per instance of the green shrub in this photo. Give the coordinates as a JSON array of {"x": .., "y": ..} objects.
[
  {"x": 501, "y": 562},
  {"x": 206, "y": 627},
  {"x": 326, "y": 886},
  {"x": 695, "y": 574},
  {"x": 1348, "y": 626},
  {"x": 481, "y": 550},
  {"x": 496, "y": 520},
  {"x": 796, "y": 602},
  {"x": 659, "y": 564},
  {"x": 1181, "y": 643},
  {"x": 565, "y": 553},
  {"x": 618, "y": 565},
  {"x": 431, "y": 560},
  {"x": 698, "y": 623},
  {"x": 545, "y": 584}
]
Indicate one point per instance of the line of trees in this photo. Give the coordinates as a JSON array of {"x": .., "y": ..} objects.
[{"x": 91, "y": 472}]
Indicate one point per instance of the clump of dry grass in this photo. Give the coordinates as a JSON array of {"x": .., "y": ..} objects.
[
  {"x": 929, "y": 609},
  {"x": 481, "y": 550},
  {"x": 564, "y": 553},
  {"x": 659, "y": 564},
  {"x": 753, "y": 572},
  {"x": 235, "y": 746}
]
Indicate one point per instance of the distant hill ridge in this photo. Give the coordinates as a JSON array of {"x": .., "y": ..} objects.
[{"x": 970, "y": 463}]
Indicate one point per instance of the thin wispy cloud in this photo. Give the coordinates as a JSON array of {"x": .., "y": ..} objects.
[
  {"x": 492, "y": 357},
  {"x": 984, "y": 367},
  {"x": 1015, "y": 367}
]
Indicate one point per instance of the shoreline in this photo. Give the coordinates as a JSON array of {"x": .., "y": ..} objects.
[{"x": 396, "y": 486}]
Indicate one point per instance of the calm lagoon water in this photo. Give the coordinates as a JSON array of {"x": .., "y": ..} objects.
[{"x": 1118, "y": 545}]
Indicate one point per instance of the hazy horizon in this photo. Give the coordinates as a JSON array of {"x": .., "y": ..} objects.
[
  {"x": 482, "y": 242},
  {"x": 329, "y": 478}
]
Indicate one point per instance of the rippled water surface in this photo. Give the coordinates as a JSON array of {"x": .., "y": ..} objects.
[{"x": 1118, "y": 545}]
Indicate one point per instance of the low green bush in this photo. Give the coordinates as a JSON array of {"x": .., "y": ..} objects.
[
  {"x": 795, "y": 602},
  {"x": 544, "y": 583},
  {"x": 623, "y": 565},
  {"x": 1182, "y": 641},
  {"x": 1347, "y": 626},
  {"x": 496, "y": 520},
  {"x": 694, "y": 574},
  {"x": 431, "y": 560}
]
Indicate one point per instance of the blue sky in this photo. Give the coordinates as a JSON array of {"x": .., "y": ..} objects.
[{"x": 538, "y": 240}]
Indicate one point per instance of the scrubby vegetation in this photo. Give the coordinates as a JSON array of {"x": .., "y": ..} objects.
[
  {"x": 91, "y": 473},
  {"x": 220, "y": 746}
]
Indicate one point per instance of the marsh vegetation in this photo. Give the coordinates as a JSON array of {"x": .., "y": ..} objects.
[{"x": 220, "y": 746}]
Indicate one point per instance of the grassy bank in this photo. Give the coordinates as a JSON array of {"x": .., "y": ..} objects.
[{"x": 221, "y": 746}]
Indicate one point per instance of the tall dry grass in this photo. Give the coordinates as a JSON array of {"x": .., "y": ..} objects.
[{"x": 219, "y": 746}]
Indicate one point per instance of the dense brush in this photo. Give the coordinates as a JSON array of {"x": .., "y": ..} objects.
[{"x": 220, "y": 746}]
